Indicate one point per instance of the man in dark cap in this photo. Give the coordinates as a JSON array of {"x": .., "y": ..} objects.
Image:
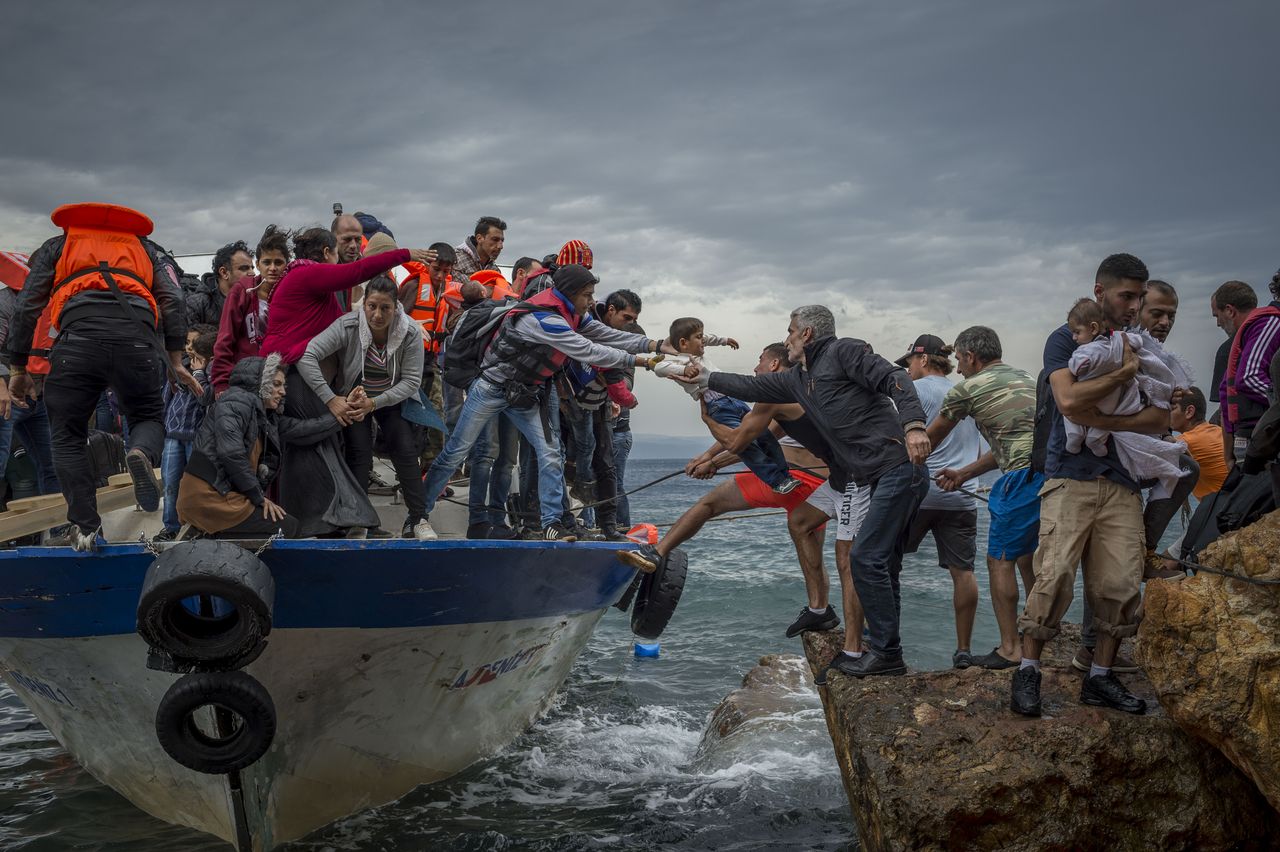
[{"x": 530, "y": 346}]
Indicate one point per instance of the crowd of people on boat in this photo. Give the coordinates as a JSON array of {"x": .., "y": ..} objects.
[{"x": 264, "y": 391}]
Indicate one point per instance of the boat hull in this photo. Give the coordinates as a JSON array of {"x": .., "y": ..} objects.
[{"x": 366, "y": 711}]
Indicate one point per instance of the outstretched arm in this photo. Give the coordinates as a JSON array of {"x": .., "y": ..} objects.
[{"x": 770, "y": 387}]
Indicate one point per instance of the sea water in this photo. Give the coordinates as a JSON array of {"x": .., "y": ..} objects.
[{"x": 616, "y": 762}]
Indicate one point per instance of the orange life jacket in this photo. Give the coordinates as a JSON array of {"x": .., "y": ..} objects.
[
  {"x": 101, "y": 240},
  {"x": 428, "y": 310},
  {"x": 13, "y": 271}
]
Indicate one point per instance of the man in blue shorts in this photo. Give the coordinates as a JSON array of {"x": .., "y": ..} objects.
[{"x": 1001, "y": 399}]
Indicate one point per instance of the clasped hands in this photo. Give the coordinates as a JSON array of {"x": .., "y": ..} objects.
[{"x": 351, "y": 408}]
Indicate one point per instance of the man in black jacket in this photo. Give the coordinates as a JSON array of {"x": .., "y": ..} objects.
[
  {"x": 850, "y": 394},
  {"x": 231, "y": 263}
]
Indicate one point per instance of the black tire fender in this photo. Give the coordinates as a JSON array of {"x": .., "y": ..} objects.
[
  {"x": 183, "y": 737},
  {"x": 217, "y": 569},
  {"x": 658, "y": 595}
]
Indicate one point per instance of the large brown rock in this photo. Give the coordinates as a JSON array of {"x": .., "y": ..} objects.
[
  {"x": 1211, "y": 647},
  {"x": 936, "y": 760}
]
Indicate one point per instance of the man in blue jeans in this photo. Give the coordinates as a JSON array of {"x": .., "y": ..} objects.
[
  {"x": 867, "y": 410},
  {"x": 621, "y": 310},
  {"x": 530, "y": 347}
]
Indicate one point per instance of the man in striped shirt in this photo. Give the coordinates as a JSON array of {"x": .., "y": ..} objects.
[{"x": 1246, "y": 385}]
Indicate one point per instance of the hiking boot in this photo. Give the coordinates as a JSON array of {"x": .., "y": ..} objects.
[
  {"x": 556, "y": 532},
  {"x": 500, "y": 532},
  {"x": 1083, "y": 661},
  {"x": 584, "y": 492},
  {"x": 807, "y": 620},
  {"x": 645, "y": 559},
  {"x": 1026, "y": 692},
  {"x": 1107, "y": 691},
  {"x": 994, "y": 661},
  {"x": 146, "y": 491},
  {"x": 480, "y": 530},
  {"x": 612, "y": 534},
  {"x": 165, "y": 535},
  {"x": 1157, "y": 567},
  {"x": 85, "y": 541},
  {"x": 963, "y": 659},
  {"x": 589, "y": 534},
  {"x": 786, "y": 486},
  {"x": 870, "y": 664}
]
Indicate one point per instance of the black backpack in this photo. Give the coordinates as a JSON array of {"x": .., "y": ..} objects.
[
  {"x": 1046, "y": 408},
  {"x": 1242, "y": 500},
  {"x": 465, "y": 348}
]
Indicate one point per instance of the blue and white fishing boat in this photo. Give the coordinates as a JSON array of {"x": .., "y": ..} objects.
[{"x": 388, "y": 664}]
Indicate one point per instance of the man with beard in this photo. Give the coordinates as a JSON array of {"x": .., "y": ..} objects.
[
  {"x": 231, "y": 263},
  {"x": 481, "y": 249},
  {"x": 1090, "y": 508}
]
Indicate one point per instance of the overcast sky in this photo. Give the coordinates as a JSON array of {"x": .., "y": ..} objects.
[{"x": 918, "y": 167}]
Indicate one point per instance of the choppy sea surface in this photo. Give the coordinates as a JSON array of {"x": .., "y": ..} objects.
[{"x": 617, "y": 761}]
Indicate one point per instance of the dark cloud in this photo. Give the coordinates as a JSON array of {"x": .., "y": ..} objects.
[{"x": 916, "y": 166}]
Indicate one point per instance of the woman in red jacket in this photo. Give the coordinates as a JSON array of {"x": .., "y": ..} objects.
[
  {"x": 316, "y": 486},
  {"x": 244, "y": 315}
]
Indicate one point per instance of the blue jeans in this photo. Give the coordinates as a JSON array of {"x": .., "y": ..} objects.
[
  {"x": 763, "y": 456},
  {"x": 622, "y": 449},
  {"x": 32, "y": 426},
  {"x": 173, "y": 461},
  {"x": 877, "y": 551},
  {"x": 485, "y": 402},
  {"x": 529, "y": 469}
]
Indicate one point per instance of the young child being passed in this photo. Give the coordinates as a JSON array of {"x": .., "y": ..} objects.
[
  {"x": 1098, "y": 353},
  {"x": 763, "y": 456}
]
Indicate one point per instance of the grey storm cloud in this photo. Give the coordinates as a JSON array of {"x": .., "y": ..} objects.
[{"x": 920, "y": 166}]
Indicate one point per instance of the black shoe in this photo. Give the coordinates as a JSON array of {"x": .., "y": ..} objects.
[
  {"x": 870, "y": 664},
  {"x": 994, "y": 661},
  {"x": 406, "y": 531},
  {"x": 146, "y": 491},
  {"x": 500, "y": 532},
  {"x": 480, "y": 530},
  {"x": 820, "y": 679},
  {"x": 645, "y": 559},
  {"x": 378, "y": 532},
  {"x": 963, "y": 660},
  {"x": 1026, "y": 692},
  {"x": 555, "y": 532},
  {"x": 807, "y": 620},
  {"x": 612, "y": 534},
  {"x": 165, "y": 535},
  {"x": 1107, "y": 691}
]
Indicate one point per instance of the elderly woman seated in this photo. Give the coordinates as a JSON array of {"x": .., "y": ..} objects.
[{"x": 237, "y": 454}]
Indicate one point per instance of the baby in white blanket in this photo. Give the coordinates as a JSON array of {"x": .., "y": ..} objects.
[{"x": 1159, "y": 373}]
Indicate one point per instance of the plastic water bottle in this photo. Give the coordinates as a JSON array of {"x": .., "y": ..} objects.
[{"x": 646, "y": 649}]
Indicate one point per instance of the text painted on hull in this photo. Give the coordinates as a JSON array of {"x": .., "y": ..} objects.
[{"x": 490, "y": 671}]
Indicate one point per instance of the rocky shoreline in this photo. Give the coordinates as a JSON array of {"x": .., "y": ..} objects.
[{"x": 936, "y": 760}]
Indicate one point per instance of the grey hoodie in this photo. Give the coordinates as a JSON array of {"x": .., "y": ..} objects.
[{"x": 350, "y": 336}]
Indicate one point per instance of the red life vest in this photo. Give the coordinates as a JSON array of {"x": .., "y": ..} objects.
[
  {"x": 14, "y": 271},
  {"x": 1242, "y": 410},
  {"x": 535, "y": 362}
]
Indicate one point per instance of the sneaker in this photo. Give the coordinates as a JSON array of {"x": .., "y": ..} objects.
[
  {"x": 584, "y": 492},
  {"x": 146, "y": 491},
  {"x": 645, "y": 558},
  {"x": 555, "y": 532},
  {"x": 378, "y": 532},
  {"x": 963, "y": 659},
  {"x": 406, "y": 531},
  {"x": 786, "y": 486},
  {"x": 422, "y": 531},
  {"x": 994, "y": 661},
  {"x": 589, "y": 534},
  {"x": 165, "y": 535},
  {"x": 1107, "y": 691},
  {"x": 870, "y": 664},
  {"x": 807, "y": 621},
  {"x": 500, "y": 532},
  {"x": 1083, "y": 662},
  {"x": 480, "y": 530},
  {"x": 1026, "y": 692},
  {"x": 85, "y": 542}
]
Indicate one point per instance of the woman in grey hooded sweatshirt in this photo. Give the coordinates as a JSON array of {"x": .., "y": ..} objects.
[{"x": 377, "y": 349}]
